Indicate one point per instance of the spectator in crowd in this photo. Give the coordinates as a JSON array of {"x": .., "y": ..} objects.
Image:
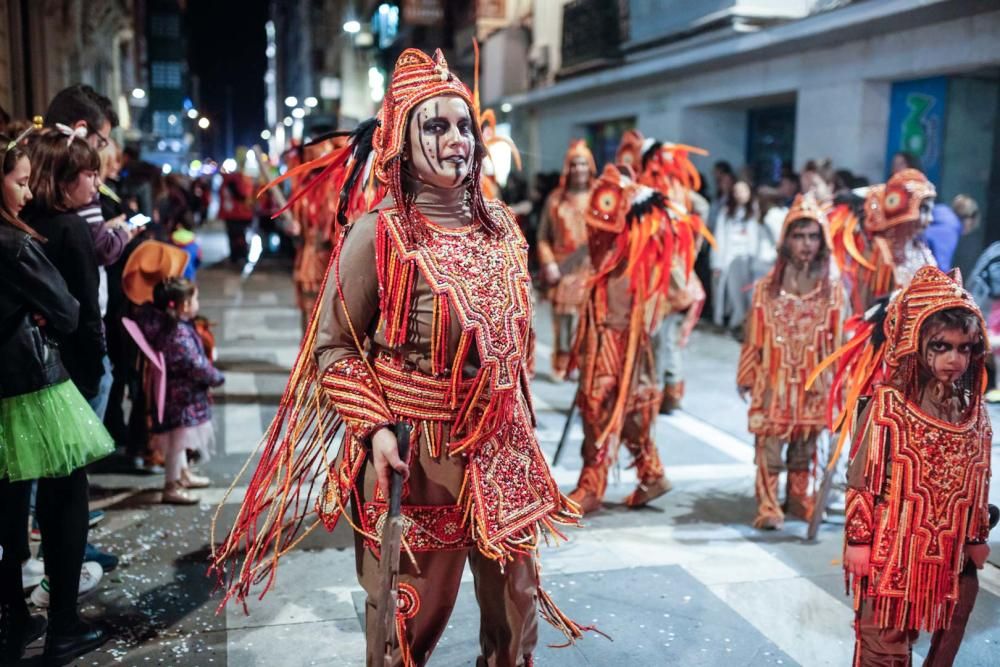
[
  {"x": 788, "y": 187},
  {"x": 88, "y": 114},
  {"x": 185, "y": 423},
  {"x": 44, "y": 424},
  {"x": 185, "y": 238},
  {"x": 843, "y": 182},
  {"x": 236, "y": 208},
  {"x": 138, "y": 181},
  {"x": 737, "y": 234},
  {"x": 63, "y": 180},
  {"x": 905, "y": 160},
  {"x": 816, "y": 179},
  {"x": 724, "y": 177},
  {"x": 948, "y": 225}
]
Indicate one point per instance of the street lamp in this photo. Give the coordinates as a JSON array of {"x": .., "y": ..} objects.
[
  {"x": 298, "y": 112},
  {"x": 291, "y": 101},
  {"x": 311, "y": 102},
  {"x": 139, "y": 93},
  {"x": 288, "y": 121},
  {"x": 265, "y": 135},
  {"x": 506, "y": 107},
  {"x": 203, "y": 123},
  {"x": 352, "y": 27},
  {"x": 192, "y": 113}
]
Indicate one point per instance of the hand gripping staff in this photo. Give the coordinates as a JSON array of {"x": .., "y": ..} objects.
[{"x": 392, "y": 537}]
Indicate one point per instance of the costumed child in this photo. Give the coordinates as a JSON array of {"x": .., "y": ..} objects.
[
  {"x": 184, "y": 423},
  {"x": 794, "y": 322},
  {"x": 917, "y": 514}
]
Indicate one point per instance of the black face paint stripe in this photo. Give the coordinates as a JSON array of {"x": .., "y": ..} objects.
[
  {"x": 421, "y": 118},
  {"x": 437, "y": 114}
]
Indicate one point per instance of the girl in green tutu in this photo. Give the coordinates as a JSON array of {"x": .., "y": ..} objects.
[{"x": 48, "y": 431}]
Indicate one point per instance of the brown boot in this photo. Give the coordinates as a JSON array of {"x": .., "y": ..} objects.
[
  {"x": 769, "y": 514},
  {"x": 648, "y": 491},
  {"x": 800, "y": 501},
  {"x": 673, "y": 392},
  {"x": 589, "y": 491}
]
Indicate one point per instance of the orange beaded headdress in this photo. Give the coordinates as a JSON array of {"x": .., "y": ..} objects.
[
  {"x": 886, "y": 342},
  {"x": 369, "y": 166},
  {"x": 416, "y": 78},
  {"x": 931, "y": 291},
  {"x": 630, "y": 150},
  {"x": 577, "y": 148},
  {"x": 805, "y": 207},
  {"x": 897, "y": 201}
]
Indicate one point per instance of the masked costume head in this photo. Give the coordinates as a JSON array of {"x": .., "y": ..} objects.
[
  {"x": 372, "y": 163},
  {"x": 577, "y": 152},
  {"x": 804, "y": 209},
  {"x": 897, "y": 202},
  {"x": 931, "y": 292},
  {"x": 416, "y": 79},
  {"x": 629, "y": 151}
]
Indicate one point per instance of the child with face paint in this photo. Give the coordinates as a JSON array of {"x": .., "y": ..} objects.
[
  {"x": 918, "y": 481},
  {"x": 794, "y": 323},
  {"x": 424, "y": 318}
]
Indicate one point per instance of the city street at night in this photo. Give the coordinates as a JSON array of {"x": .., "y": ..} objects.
[
  {"x": 683, "y": 581},
  {"x": 505, "y": 333}
]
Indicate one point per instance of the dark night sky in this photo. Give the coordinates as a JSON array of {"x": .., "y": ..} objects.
[{"x": 226, "y": 44}]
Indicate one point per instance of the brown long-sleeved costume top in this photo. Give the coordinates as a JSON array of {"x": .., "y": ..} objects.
[
  {"x": 451, "y": 295},
  {"x": 918, "y": 484},
  {"x": 359, "y": 287}
]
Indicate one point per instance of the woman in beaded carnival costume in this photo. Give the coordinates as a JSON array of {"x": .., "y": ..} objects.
[
  {"x": 634, "y": 235},
  {"x": 918, "y": 481},
  {"x": 888, "y": 248},
  {"x": 794, "y": 323},
  {"x": 562, "y": 249},
  {"x": 424, "y": 318}
]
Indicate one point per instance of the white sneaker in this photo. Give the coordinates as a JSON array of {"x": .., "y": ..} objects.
[
  {"x": 90, "y": 577},
  {"x": 32, "y": 573}
]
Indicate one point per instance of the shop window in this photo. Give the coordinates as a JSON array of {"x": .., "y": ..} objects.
[{"x": 770, "y": 142}]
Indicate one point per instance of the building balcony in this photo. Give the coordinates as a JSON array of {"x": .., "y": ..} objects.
[
  {"x": 655, "y": 22},
  {"x": 592, "y": 35}
]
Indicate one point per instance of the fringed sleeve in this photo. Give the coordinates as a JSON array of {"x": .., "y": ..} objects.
[
  {"x": 344, "y": 375},
  {"x": 859, "y": 525},
  {"x": 750, "y": 353},
  {"x": 979, "y": 519}
]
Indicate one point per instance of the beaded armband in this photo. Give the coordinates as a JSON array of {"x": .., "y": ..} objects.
[
  {"x": 351, "y": 388},
  {"x": 860, "y": 517}
]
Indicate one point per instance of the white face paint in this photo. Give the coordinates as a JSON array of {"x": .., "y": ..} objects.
[{"x": 442, "y": 141}]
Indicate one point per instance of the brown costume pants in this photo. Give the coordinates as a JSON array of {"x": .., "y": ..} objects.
[
  {"x": 636, "y": 436},
  {"x": 508, "y": 620},
  {"x": 799, "y": 457},
  {"x": 881, "y": 647}
]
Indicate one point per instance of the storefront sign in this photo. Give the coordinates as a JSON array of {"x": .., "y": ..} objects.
[{"x": 916, "y": 122}]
